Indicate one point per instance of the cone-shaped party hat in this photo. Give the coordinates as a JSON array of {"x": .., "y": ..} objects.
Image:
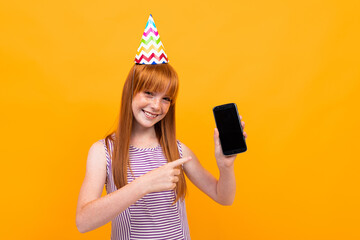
[{"x": 151, "y": 50}]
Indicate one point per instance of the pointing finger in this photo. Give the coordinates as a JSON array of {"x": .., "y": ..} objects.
[{"x": 179, "y": 161}]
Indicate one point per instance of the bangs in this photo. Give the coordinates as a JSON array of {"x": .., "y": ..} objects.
[{"x": 156, "y": 78}]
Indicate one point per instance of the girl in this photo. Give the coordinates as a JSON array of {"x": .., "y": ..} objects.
[{"x": 142, "y": 165}]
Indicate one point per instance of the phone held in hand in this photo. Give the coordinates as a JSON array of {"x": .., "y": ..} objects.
[{"x": 230, "y": 131}]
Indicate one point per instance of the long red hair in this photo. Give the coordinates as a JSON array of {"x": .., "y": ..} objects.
[{"x": 153, "y": 78}]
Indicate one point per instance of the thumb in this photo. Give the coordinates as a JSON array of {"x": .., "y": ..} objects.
[{"x": 216, "y": 138}]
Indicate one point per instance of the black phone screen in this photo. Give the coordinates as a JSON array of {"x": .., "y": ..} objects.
[{"x": 230, "y": 131}]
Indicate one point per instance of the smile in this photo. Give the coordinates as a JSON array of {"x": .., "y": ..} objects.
[{"x": 150, "y": 115}]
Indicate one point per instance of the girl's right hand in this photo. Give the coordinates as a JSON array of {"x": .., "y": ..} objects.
[{"x": 163, "y": 178}]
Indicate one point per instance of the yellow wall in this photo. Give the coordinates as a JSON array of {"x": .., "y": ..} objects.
[{"x": 292, "y": 67}]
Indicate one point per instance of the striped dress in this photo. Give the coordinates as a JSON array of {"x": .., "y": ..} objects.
[{"x": 153, "y": 216}]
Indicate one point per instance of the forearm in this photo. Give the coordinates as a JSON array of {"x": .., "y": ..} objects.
[
  {"x": 226, "y": 186},
  {"x": 103, "y": 210}
]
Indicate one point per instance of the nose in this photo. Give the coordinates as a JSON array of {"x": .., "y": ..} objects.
[{"x": 155, "y": 104}]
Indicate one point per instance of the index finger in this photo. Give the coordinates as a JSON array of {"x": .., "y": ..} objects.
[{"x": 179, "y": 161}]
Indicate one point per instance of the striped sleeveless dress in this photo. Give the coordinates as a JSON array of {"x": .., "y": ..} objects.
[{"x": 153, "y": 216}]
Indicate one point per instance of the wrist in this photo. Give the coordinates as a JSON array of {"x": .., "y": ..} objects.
[
  {"x": 141, "y": 186},
  {"x": 224, "y": 168}
]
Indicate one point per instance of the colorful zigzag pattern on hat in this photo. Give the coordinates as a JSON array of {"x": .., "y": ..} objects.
[{"x": 151, "y": 50}]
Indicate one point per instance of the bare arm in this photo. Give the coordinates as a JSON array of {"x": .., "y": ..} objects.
[
  {"x": 223, "y": 190},
  {"x": 94, "y": 211}
]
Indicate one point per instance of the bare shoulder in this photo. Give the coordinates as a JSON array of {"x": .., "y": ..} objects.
[
  {"x": 97, "y": 148},
  {"x": 186, "y": 151},
  {"x": 95, "y": 175},
  {"x": 193, "y": 168},
  {"x": 96, "y": 156}
]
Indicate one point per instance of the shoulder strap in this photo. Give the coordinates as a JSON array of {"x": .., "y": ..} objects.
[{"x": 179, "y": 147}]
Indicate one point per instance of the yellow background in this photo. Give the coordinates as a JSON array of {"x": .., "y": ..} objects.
[{"x": 292, "y": 67}]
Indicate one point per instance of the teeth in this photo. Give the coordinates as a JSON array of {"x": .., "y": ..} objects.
[{"x": 150, "y": 115}]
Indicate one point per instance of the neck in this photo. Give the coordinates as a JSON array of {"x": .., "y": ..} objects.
[{"x": 143, "y": 137}]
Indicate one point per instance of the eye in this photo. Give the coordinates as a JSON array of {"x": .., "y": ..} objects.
[
  {"x": 149, "y": 93},
  {"x": 167, "y": 99}
]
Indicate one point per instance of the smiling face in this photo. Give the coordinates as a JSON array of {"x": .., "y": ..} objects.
[
  {"x": 150, "y": 107},
  {"x": 154, "y": 90}
]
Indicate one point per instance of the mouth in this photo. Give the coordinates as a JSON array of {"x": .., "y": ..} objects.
[{"x": 149, "y": 114}]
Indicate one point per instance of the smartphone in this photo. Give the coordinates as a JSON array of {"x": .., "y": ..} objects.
[{"x": 230, "y": 131}]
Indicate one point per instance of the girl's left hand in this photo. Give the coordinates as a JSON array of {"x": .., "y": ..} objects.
[{"x": 221, "y": 159}]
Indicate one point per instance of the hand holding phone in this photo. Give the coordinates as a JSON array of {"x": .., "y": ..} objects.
[{"x": 230, "y": 131}]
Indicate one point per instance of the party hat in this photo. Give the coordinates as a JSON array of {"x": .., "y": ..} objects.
[{"x": 151, "y": 50}]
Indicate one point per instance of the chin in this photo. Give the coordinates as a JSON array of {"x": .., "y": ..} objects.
[{"x": 146, "y": 124}]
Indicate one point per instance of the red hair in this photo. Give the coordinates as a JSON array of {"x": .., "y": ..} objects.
[{"x": 153, "y": 78}]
